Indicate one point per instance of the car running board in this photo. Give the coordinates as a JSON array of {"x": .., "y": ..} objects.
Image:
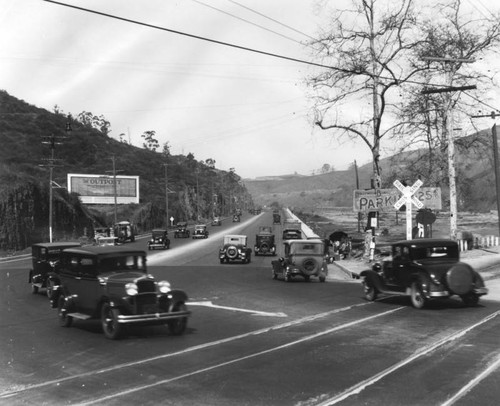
[{"x": 79, "y": 316}]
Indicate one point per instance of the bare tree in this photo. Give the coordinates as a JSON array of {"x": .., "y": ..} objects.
[{"x": 369, "y": 47}]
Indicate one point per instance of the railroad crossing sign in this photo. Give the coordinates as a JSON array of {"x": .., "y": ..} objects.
[{"x": 408, "y": 199}]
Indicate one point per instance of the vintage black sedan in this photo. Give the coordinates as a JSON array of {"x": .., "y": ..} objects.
[
  {"x": 182, "y": 230},
  {"x": 235, "y": 248},
  {"x": 45, "y": 261},
  {"x": 112, "y": 284},
  {"x": 200, "y": 231},
  {"x": 424, "y": 269},
  {"x": 159, "y": 239}
]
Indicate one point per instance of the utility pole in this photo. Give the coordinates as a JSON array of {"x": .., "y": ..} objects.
[
  {"x": 449, "y": 132},
  {"x": 115, "y": 192},
  {"x": 493, "y": 115},
  {"x": 52, "y": 141}
]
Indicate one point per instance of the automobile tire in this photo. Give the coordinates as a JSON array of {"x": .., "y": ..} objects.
[
  {"x": 307, "y": 278},
  {"x": 109, "y": 320},
  {"x": 34, "y": 289},
  {"x": 470, "y": 300},
  {"x": 369, "y": 290},
  {"x": 178, "y": 326},
  {"x": 64, "y": 319},
  {"x": 222, "y": 261},
  {"x": 418, "y": 299},
  {"x": 288, "y": 277},
  {"x": 232, "y": 252},
  {"x": 275, "y": 275}
]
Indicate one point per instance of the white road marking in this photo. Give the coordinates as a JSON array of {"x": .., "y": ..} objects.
[
  {"x": 185, "y": 351},
  {"x": 236, "y": 309},
  {"x": 359, "y": 387},
  {"x": 234, "y": 361}
]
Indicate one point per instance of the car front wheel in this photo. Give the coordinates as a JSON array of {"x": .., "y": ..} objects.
[
  {"x": 109, "y": 320},
  {"x": 369, "y": 291},
  {"x": 178, "y": 326},
  {"x": 417, "y": 297}
]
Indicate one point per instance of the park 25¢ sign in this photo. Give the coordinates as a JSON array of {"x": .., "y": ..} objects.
[{"x": 384, "y": 199}]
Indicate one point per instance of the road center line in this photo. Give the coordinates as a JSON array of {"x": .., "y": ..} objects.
[{"x": 234, "y": 361}]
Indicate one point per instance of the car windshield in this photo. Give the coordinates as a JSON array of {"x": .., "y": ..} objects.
[
  {"x": 443, "y": 252},
  {"x": 306, "y": 248},
  {"x": 235, "y": 240},
  {"x": 122, "y": 263},
  {"x": 159, "y": 233}
]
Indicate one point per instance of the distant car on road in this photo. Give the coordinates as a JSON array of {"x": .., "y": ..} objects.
[
  {"x": 236, "y": 218},
  {"x": 234, "y": 248},
  {"x": 304, "y": 258},
  {"x": 200, "y": 231},
  {"x": 182, "y": 230},
  {"x": 112, "y": 284},
  {"x": 159, "y": 239},
  {"x": 45, "y": 258},
  {"x": 216, "y": 221},
  {"x": 424, "y": 269},
  {"x": 264, "y": 242},
  {"x": 124, "y": 231}
]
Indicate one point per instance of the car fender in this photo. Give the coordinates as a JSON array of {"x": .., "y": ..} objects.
[
  {"x": 424, "y": 282},
  {"x": 177, "y": 296},
  {"x": 374, "y": 279}
]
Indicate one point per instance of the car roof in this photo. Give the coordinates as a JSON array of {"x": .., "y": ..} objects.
[
  {"x": 235, "y": 236},
  {"x": 200, "y": 225},
  {"x": 105, "y": 251},
  {"x": 159, "y": 230},
  {"x": 61, "y": 244},
  {"x": 302, "y": 240},
  {"x": 426, "y": 242}
]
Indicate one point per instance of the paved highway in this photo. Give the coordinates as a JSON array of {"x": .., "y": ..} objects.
[{"x": 251, "y": 340}]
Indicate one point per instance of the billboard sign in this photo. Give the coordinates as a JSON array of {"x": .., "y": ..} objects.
[
  {"x": 385, "y": 199},
  {"x": 100, "y": 189}
]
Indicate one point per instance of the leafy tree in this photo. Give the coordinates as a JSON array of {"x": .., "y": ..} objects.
[
  {"x": 99, "y": 123},
  {"x": 150, "y": 142}
]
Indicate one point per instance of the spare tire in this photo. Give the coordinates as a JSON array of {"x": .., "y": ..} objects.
[
  {"x": 460, "y": 278},
  {"x": 309, "y": 265},
  {"x": 232, "y": 252}
]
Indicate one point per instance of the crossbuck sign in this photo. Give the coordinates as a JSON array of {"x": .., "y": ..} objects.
[{"x": 408, "y": 199}]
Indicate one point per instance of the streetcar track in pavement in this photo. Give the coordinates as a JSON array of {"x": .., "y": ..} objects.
[
  {"x": 360, "y": 386},
  {"x": 302, "y": 320}
]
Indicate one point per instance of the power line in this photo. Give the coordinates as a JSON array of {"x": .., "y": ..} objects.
[
  {"x": 272, "y": 19},
  {"x": 198, "y": 37},
  {"x": 274, "y": 55},
  {"x": 246, "y": 21}
]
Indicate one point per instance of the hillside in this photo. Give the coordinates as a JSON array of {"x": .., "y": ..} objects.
[
  {"x": 475, "y": 179},
  {"x": 195, "y": 188}
]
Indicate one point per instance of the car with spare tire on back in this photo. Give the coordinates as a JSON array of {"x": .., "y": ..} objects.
[
  {"x": 302, "y": 257},
  {"x": 112, "y": 284},
  {"x": 235, "y": 248},
  {"x": 424, "y": 269}
]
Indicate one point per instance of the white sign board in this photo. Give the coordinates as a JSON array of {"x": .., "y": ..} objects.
[
  {"x": 100, "y": 189},
  {"x": 384, "y": 199}
]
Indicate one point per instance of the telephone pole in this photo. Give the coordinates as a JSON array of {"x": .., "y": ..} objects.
[
  {"x": 449, "y": 132},
  {"x": 493, "y": 115}
]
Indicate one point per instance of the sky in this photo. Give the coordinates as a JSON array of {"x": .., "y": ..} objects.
[{"x": 245, "y": 110}]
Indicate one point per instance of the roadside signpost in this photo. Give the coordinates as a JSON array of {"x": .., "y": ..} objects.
[{"x": 408, "y": 198}]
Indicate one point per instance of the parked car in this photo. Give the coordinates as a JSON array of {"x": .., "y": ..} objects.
[
  {"x": 124, "y": 231},
  {"x": 235, "y": 248},
  {"x": 106, "y": 241},
  {"x": 200, "y": 231},
  {"x": 101, "y": 232},
  {"x": 216, "y": 221},
  {"x": 264, "y": 242},
  {"x": 304, "y": 258},
  {"x": 424, "y": 269},
  {"x": 159, "y": 239},
  {"x": 276, "y": 218},
  {"x": 112, "y": 284},
  {"x": 236, "y": 218},
  {"x": 182, "y": 230},
  {"x": 45, "y": 258}
]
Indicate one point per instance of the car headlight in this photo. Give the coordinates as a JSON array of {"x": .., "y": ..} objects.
[
  {"x": 131, "y": 289},
  {"x": 164, "y": 286}
]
